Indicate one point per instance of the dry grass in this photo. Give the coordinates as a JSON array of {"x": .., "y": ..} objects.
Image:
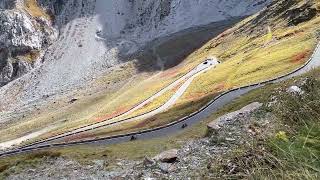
[
  {"x": 294, "y": 159},
  {"x": 35, "y": 10},
  {"x": 249, "y": 58},
  {"x": 249, "y": 55},
  {"x": 30, "y": 57}
]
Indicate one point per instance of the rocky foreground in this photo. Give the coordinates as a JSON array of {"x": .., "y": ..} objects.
[{"x": 191, "y": 161}]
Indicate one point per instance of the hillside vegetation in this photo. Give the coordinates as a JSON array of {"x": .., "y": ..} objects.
[
  {"x": 280, "y": 141},
  {"x": 284, "y": 148},
  {"x": 33, "y": 8},
  {"x": 273, "y": 42}
]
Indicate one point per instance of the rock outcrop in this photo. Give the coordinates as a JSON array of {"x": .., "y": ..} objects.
[
  {"x": 22, "y": 40},
  {"x": 142, "y": 21},
  {"x": 7, "y": 4},
  {"x": 295, "y": 90}
]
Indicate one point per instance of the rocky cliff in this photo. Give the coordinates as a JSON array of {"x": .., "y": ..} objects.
[
  {"x": 142, "y": 21},
  {"x": 7, "y": 4},
  {"x": 22, "y": 39}
]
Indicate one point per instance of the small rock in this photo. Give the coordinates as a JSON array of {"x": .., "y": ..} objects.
[
  {"x": 167, "y": 167},
  {"x": 213, "y": 128},
  {"x": 295, "y": 90},
  {"x": 230, "y": 139},
  {"x": 147, "y": 161},
  {"x": 169, "y": 156},
  {"x": 99, "y": 163},
  {"x": 253, "y": 130}
]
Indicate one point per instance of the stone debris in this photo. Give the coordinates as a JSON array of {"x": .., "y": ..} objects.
[
  {"x": 295, "y": 90},
  {"x": 187, "y": 162}
]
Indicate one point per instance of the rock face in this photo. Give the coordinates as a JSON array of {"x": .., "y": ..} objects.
[
  {"x": 301, "y": 14},
  {"x": 7, "y": 4},
  {"x": 22, "y": 38},
  {"x": 143, "y": 21},
  {"x": 64, "y": 11}
]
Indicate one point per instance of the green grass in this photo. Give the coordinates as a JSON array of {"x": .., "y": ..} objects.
[
  {"x": 247, "y": 60},
  {"x": 15, "y": 164},
  {"x": 68, "y": 115},
  {"x": 157, "y": 102},
  {"x": 290, "y": 148},
  {"x": 196, "y": 131},
  {"x": 250, "y": 58},
  {"x": 291, "y": 152},
  {"x": 287, "y": 155}
]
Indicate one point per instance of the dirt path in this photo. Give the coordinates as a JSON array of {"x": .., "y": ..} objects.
[{"x": 20, "y": 140}]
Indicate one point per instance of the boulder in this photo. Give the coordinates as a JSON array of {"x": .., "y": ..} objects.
[
  {"x": 148, "y": 162},
  {"x": 169, "y": 156}
]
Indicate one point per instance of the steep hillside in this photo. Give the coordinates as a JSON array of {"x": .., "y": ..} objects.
[
  {"x": 78, "y": 22},
  {"x": 115, "y": 65},
  {"x": 260, "y": 47},
  {"x": 255, "y": 49},
  {"x": 88, "y": 64},
  {"x": 270, "y": 43}
]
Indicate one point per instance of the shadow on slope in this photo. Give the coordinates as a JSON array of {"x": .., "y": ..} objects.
[{"x": 173, "y": 49}]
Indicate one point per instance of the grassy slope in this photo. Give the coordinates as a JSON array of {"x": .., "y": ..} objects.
[
  {"x": 296, "y": 152},
  {"x": 138, "y": 149},
  {"x": 291, "y": 148},
  {"x": 250, "y": 53},
  {"x": 99, "y": 106}
]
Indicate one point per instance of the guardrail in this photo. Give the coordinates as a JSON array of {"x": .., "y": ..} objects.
[
  {"x": 69, "y": 133},
  {"x": 28, "y": 148},
  {"x": 108, "y": 119}
]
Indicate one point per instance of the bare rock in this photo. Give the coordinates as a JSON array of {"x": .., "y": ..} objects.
[
  {"x": 301, "y": 14},
  {"x": 22, "y": 38},
  {"x": 295, "y": 90},
  {"x": 167, "y": 167},
  {"x": 169, "y": 156},
  {"x": 7, "y": 4},
  {"x": 148, "y": 161}
]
